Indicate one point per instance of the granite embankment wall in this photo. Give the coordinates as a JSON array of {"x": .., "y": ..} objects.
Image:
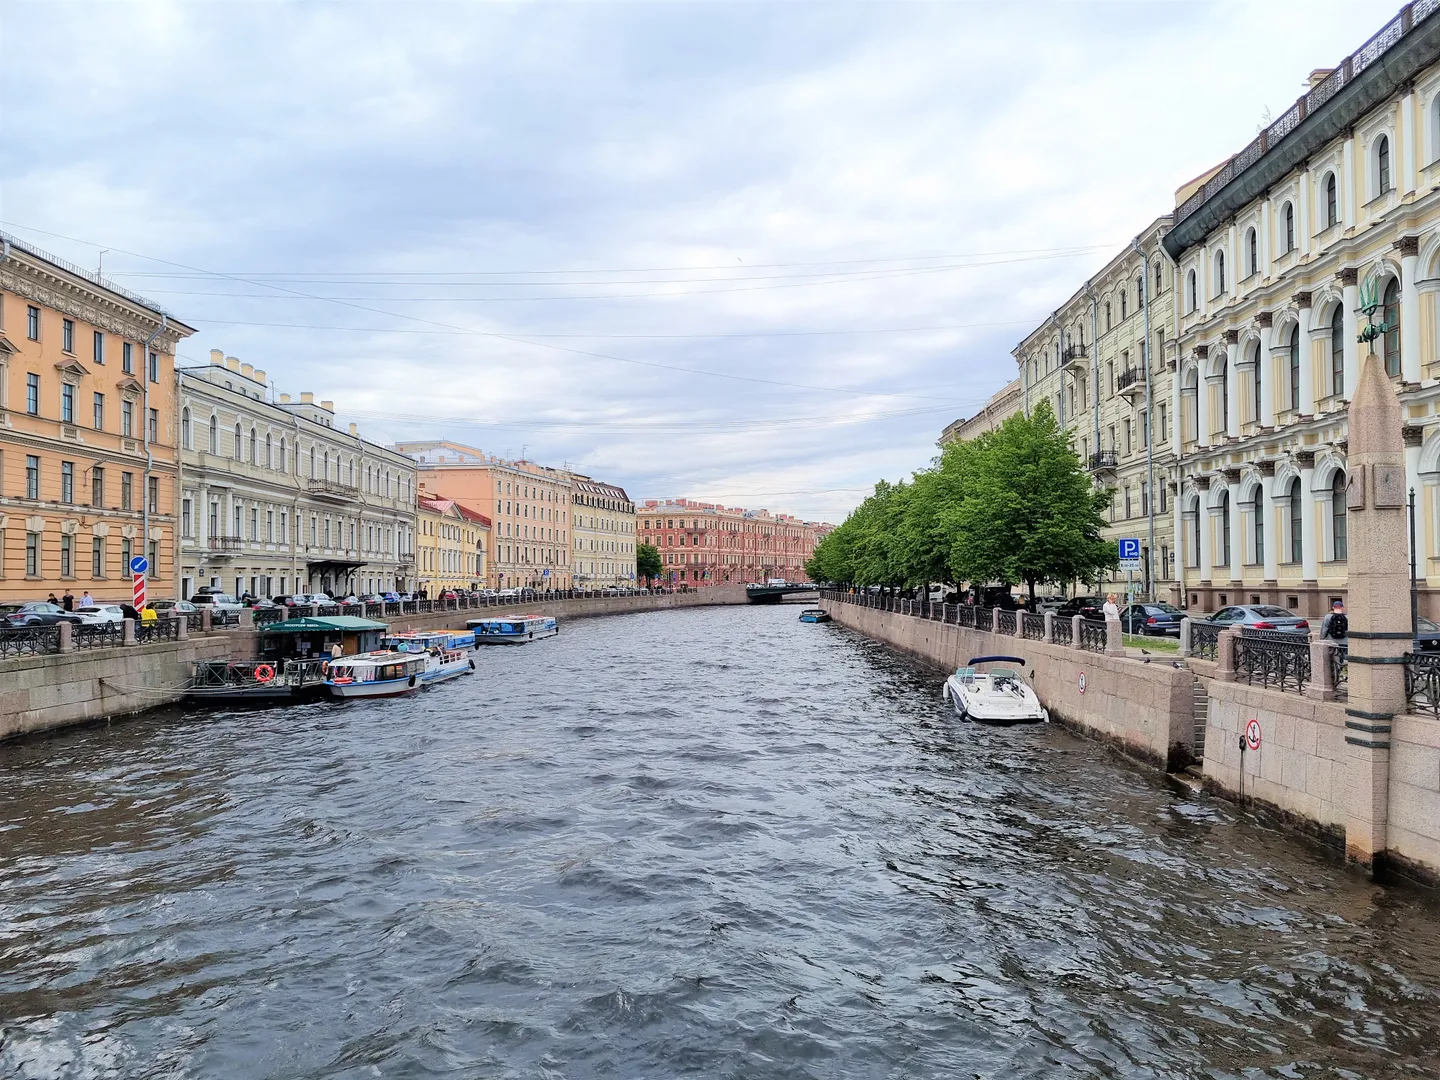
[
  {"x": 55, "y": 690},
  {"x": 38, "y": 693},
  {"x": 1145, "y": 709}
]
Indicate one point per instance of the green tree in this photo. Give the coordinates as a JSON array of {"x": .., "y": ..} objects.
[
  {"x": 647, "y": 561},
  {"x": 1029, "y": 511}
]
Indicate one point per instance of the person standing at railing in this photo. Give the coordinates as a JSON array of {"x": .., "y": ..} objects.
[
  {"x": 1111, "y": 609},
  {"x": 1335, "y": 626}
]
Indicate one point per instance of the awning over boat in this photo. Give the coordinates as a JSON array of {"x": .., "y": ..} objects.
[{"x": 347, "y": 624}]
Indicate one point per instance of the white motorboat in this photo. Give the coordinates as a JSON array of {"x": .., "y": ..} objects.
[
  {"x": 376, "y": 674},
  {"x": 995, "y": 695}
]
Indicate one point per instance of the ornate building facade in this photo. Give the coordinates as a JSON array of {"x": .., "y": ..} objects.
[
  {"x": 1335, "y": 207},
  {"x": 1099, "y": 360},
  {"x": 277, "y": 501},
  {"x": 603, "y": 520},
  {"x": 88, "y": 467},
  {"x": 451, "y": 545},
  {"x": 706, "y": 544}
]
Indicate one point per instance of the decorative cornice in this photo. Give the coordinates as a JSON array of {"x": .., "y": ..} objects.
[
  {"x": 1232, "y": 337},
  {"x": 1413, "y": 434},
  {"x": 1302, "y": 299},
  {"x": 90, "y": 305},
  {"x": 1407, "y": 245},
  {"x": 1202, "y": 351},
  {"x": 1305, "y": 459},
  {"x": 1202, "y": 481},
  {"x": 1348, "y": 275},
  {"x": 1266, "y": 467},
  {"x": 1231, "y": 475},
  {"x": 1265, "y": 319}
]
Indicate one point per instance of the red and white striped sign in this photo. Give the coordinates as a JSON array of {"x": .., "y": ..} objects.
[{"x": 139, "y": 592}]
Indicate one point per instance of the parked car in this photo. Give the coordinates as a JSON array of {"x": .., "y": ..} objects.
[
  {"x": 1261, "y": 617},
  {"x": 391, "y": 597},
  {"x": 305, "y": 599},
  {"x": 35, "y": 613},
  {"x": 216, "y": 601},
  {"x": 1153, "y": 619},
  {"x": 1089, "y": 607},
  {"x": 101, "y": 614},
  {"x": 1427, "y": 637},
  {"x": 166, "y": 608}
]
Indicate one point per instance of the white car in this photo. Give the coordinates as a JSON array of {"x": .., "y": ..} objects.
[
  {"x": 101, "y": 614},
  {"x": 217, "y": 601}
]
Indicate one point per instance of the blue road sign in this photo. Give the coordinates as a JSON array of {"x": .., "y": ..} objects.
[
  {"x": 1129, "y": 553},
  {"x": 139, "y": 564}
]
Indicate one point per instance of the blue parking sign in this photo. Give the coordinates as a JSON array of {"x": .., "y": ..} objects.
[{"x": 1129, "y": 553}]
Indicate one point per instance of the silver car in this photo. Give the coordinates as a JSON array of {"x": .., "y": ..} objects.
[{"x": 1261, "y": 617}]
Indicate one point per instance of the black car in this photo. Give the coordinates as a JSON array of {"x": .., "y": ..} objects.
[
  {"x": 1427, "y": 637},
  {"x": 1089, "y": 607},
  {"x": 35, "y": 613},
  {"x": 1153, "y": 619}
]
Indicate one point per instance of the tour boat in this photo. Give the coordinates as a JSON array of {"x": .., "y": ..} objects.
[
  {"x": 419, "y": 640},
  {"x": 814, "y": 615},
  {"x": 513, "y": 629},
  {"x": 997, "y": 696},
  {"x": 236, "y": 682},
  {"x": 443, "y": 664},
  {"x": 376, "y": 674}
]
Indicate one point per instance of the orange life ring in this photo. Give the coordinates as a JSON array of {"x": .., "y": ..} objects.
[{"x": 264, "y": 673}]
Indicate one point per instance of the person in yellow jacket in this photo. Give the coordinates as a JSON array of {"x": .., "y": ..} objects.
[{"x": 149, "y": 614}]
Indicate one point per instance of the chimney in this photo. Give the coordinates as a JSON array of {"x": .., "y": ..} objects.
[
  {"x": 328, "y": 406},
  {"x": 354, "y": 430},
  {"x": 284, "y": 399},
  {"x": 307, "y": 398},
  {"x": 217, "y": 357},
  {"x": 232, "y": 363},
  {"x": 248, "y": 370},
  {"x": 260, "y": 377},
  {"x": 1318, "y": 76}
]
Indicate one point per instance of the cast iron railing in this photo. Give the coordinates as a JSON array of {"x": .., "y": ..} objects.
[
  {"x": 984, "y": 618},
  {"x": 1272, "y": 658},
  {"x": 194, "y": 621},
  {"x": 1338, "y": 657},
  {"x": 1064, "y": 631},
  {"x": 266, "y": 616},
  {"x": 1093, "y": 636},
  {"x": 29, "y": 640},
  {"x": 98, "y": 635},
  {"x": 1422, "y": 682},
  {"x": 221, "y": 620},
  {"x": 1005, "y": 623},
  {"x": 157, "y": 630},
  {"x": 1032, "y": 626},
  {"x": 1204, "y": 640}
]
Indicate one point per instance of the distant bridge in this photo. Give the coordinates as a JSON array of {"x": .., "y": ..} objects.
[{"x": 773, "y": 594}]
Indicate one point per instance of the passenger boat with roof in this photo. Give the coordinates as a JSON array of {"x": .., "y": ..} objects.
[
  {"x": 814, "y": 615},
  {"x": 376, "y": 674},
  {"x": 513, "y": 629},
  {"x": 443, "y": 650},
  {"x": 998, "y": 695}
]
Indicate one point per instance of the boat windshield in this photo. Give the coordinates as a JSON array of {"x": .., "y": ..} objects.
[{"x": 1000, "y": 674}]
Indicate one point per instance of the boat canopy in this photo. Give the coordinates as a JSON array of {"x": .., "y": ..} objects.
[
  {"x": 996, "y": 660},
  {"x": 334, "y": 623}
]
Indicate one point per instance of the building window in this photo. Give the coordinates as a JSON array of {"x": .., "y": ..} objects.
[
  {"x": 1332, "y": 201},
  {"x": 1252, "y": 249},
  {"x": 1341, "y": 546},
  {"x": 214, "y": 435},
  {"x": 254, "y": 457},
  {"x": 283, "y": 466},
  {"x": 1382, "y": 165},
  {"x": 67, "y": 403},
  {"x": 1191, "y": 292},
  {"x": 1124, "y": 304},
  {"x": 1107, "y": 314},
  {"x": 269, "y": 453},
  {"x": 1392, "y": 320},
  {"x": 99, "y": 412},
  {"x": 97, "y": 487},
  {"x": 1337, "y": 351},
  {"x": 152, "y": 486},
  {"x": 1257, "y": 510},
  {"x": 127, "y": 419},
  {"x": 67, "y": 335},
  {"x": 154, "y": 428},
  {"x": 154, "y": 367},
  {"x": 1219, "y": 272},
  {"x": 67, "y": 555},
  {"x": 1289, "y": 227},
  {"x": 187, "y": 515},
  {"x": 127, "y": 358},
  {"x": 1140, "y": 292},
  {"x": 1295, "y": 368},
  {"x": 32, "y": 554},
  {"x": 97, "y": 557},
  {"x": 32, "y": 476},
  {"x": 239, "y": 443},
  {"x": 1224, "y": 559},
  {"x": 32, "y": 394},
  {"x": 127, "y": 492},
  {"x": 32, "y": 322},
  {"x": 67, "y": 481},
  {"x": 125, "y": 551}
]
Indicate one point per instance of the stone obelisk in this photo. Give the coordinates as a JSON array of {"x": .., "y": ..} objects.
[{"x": 1379, "y": 616}]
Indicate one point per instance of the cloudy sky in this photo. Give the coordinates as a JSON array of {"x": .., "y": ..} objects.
[{"x": 755, "y": 253}]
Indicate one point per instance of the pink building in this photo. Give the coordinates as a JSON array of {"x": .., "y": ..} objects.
[{"x": 706, "y": 544}]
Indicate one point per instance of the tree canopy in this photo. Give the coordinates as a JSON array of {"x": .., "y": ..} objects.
[
  {"x": 1015, "y": 505},
  {"x": 647, "y": 561}
]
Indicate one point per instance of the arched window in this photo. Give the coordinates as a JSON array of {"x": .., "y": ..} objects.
[
  {"x": 1332, "y": 201},
  {"x": 1340, "y": 550},
  {"x": 325, "y": 465},
  {"x": 239, "y": 443},
  {"x": 1107, "y": 314},
  {"x": 1190, "y": 427},
  {"x": 1219, "y": 272},
  {"x": 1191, "y": 299},
  {"x": 1289, "y": 215},
  {"x": 1382, "y": 165},
  {"x": 1124, "y": 303},
  {"x": 254, "y": 449},
  {"x": 1252, "y": 250},
  {"x": 1255, "y": 373},
  {"x": 1220, "y": 423},
  {"x": 269, "y": 452},
  {"x": 1159, "y": 281},
  {"x": 214, "y": 435},
  {"x": 1295, "y": 368},
  {"x": 1297, "y": 518},
  {"x": 1140, "y": 292},
  {"x": 1337, "y": 351},
  {"x": 1257, "y": 521},
  {"x": 185, "y": 428},
  {"x": 1224, "y": 559},
  {"x": 283, "y": 460},
  {"x": 1392, "y": 320}
]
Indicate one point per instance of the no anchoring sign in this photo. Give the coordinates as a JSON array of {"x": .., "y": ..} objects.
[
  {"x": 1252, "y": 734},
  {"x": 1082, "y": 682}
]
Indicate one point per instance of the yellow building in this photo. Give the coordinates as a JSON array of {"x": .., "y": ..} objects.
[
  {"x": 88, "y": 472},
  {"x": 603, "y": 525},
  {"x": 451, "y": 545},
  {"x": 1337, "y": 201}
]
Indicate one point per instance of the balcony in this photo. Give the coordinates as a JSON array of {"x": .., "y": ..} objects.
[
  {"x": 1075, "y": 354},
  {"x": 1131, "y": 384},
  {"x": 333, "y": 491},
  {"x": 224, "y": 545},
  {"x": 1104, "y": 461}
]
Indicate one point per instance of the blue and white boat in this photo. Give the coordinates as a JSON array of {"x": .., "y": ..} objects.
[
  {"x": 513, "y": 629},
  {"x": 444, "y": 652},
  {"x": 814, "y": 615},
  {"x": 376, "y": 674}
]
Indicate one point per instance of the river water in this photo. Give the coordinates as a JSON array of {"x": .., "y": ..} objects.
[{"x": 713, "y": 843}]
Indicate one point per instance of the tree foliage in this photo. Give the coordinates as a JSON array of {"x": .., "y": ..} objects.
[
  {"x": 1015, "y": 505},
  {"x": 647, "y": 561}
]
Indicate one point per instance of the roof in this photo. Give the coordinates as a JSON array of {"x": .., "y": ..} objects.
[
  {"x": 438, "y": 504},
  {"x": 318, "y": 624}
]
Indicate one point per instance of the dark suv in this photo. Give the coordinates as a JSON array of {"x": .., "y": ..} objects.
[{"x": 1088, "y": 607}]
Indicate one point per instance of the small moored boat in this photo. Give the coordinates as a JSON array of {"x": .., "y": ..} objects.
[
  {"x": 995, "y": 696},
  {"x": 513, "y": 629},
  {"x": 376, "y": 674},
  {"x": 814, "y": 615}
]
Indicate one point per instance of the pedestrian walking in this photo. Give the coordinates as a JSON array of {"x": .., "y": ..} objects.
[
  {"x": 1336, "y": 625},
  {"x": 67, "y": 601}
]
